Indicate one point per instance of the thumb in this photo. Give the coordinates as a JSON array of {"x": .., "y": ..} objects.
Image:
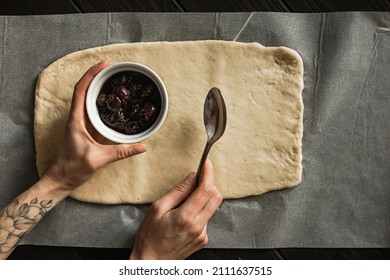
[
  {"x": 122, "y": 151},
  {"x": 179, "y": 193}
]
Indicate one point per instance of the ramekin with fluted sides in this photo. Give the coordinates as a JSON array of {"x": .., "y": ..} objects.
[{"x": 95, "y": 89}]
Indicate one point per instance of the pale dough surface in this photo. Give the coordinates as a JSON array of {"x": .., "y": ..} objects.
[{"x": 261, "y": 148}]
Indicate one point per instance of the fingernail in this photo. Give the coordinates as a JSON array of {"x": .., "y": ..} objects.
[
  {"x": 103, "y": 62},
  {"x": 209, "y": 162},
  {"x": 190, "y": 177},
  {"x": 140, "y": 148}
]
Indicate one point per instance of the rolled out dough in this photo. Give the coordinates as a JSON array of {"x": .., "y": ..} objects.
[{"x": 261, "y": 148}]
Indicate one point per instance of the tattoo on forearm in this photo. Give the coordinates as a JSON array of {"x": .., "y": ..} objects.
[{"x": 18, "y": 219}]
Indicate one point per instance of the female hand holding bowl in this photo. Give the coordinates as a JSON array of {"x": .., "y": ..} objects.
[{"x": 174, "y": 227}]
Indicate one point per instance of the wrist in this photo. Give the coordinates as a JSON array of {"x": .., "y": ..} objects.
[
  {"x": 142, "y": 255},
  {"x": 135, "y": 254},
  {"x": 60, "y": 179},
  {"x": 50, "y": 187},
  {"x": 44, "y": 190}
]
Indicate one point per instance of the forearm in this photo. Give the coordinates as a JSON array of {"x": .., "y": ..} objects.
[
  {"x": 79, "y": 156},
  {"x": 26, "y": 211}
]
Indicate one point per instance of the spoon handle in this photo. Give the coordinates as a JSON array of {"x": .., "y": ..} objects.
[{"x": 201, "y": 163}]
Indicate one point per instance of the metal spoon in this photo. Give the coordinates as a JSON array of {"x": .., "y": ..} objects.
[{"x": 214, "y": 118}]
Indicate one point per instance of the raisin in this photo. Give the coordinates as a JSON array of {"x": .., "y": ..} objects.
[
  {"x": 113, "y": 102},
  {"x": 147, "y": 90},
  {"x": 147, "y": 112},
  {"x": 132, "y": 127},
  {"x": 101, "y": 99},
  {"x": 133, "y": 111},
  {"x": 106, "y": 117},
  {"x": 123, "y": 93},
  {"x": 120, "y": 79},
  {"x": 114, "y": 120},
  {"x": 119, "y": 117},
  {"x": 134, "y": 87}
]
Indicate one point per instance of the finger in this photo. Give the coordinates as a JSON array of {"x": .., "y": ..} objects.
[
  {"x": 209, "y": 209},
  {"x": 198, "y": 243},
  {"x": 122, "y": 151},
  {"x": 202, "y": 193},
  {"x": 105, "y": 154},
  {"x": 216, "y": 197},
  {"x": 78, "y": 101},
  {"x": 83, "y": 83},
  {"x": 208, "y": 171},
  {"x": 178, "y": 194}
]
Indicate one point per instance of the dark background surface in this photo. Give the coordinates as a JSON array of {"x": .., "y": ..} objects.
[{"x": 40, "y": 7}]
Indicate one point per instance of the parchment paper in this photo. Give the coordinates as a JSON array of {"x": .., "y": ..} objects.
[{"x": 344, "y": 197}]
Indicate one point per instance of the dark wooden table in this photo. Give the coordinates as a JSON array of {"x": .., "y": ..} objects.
[{"x": 41, "y": 7}]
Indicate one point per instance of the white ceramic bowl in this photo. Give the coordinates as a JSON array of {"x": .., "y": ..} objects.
[{"x": 94, "y": 90}]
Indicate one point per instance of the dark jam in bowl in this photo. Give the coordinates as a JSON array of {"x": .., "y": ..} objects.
[{"x": 129, "y": 102}]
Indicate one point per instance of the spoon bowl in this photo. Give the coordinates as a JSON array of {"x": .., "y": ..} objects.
[{"x": 215, "y": 119}]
